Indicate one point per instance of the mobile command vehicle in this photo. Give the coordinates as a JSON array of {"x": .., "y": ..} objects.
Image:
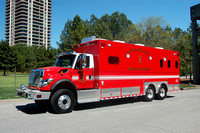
[{"x": 100, "y": 69}]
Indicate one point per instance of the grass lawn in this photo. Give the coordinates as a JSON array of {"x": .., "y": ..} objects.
[
  {"x": 7, "y": 85},
  {"x": 186, "y": 86}
]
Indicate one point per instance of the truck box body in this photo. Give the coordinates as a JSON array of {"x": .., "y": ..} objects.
[{"x": 123, "y": 70}]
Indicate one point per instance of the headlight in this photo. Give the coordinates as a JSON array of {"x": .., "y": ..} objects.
[{"x": 45, "y": 82}]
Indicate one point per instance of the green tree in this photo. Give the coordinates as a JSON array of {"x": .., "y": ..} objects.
[
  {"x": 7, "y": 57},
  {"x": 154, "y": 31},
  {"x": 119, "y": 24},
  {"x": 73, "y": 32},
  {"x": 34, "y": 57},
  {"x": 182, "y": 41},
  {"x": 111, "y": 27}
]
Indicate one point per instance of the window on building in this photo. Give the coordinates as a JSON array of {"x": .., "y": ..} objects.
[
  {"x": 161, "y": 63},
  {"x": 169, "y": 64},
  {"x": 113, "y": 60}
]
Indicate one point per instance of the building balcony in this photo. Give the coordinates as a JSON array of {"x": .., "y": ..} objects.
[
  {"x": 7, "y": 11},
  {"x": 7, "y": 20},
  {"x": 21, "y": 23},
  {"x": 21, "y": 42},
  {"x": 7, "y": 27},
  {"x": 19, "y": 13},
  {"x": 6, "y": 30},
  {"x": 35, "y": 33},
  {"x": 20, "y": 28},
  {"x": 20, "y": 18},
  {"x": 37, "y": 18},
  {"x": 21, "y": 5},
  {"x": 22, "y": 9},
  {"x": 8, "y": 5},
  {"x": 21, "y": 36},
  {"x": 24, "y": 31},
  {"x": 21, "y": 1},
  {"x": 25, "y": 26},
  {"x": 7, "y": 14},
  {"x": 8, "y": 8},
  {"x": 19, "y": 39},
  {"x": 37, "y": 3}
]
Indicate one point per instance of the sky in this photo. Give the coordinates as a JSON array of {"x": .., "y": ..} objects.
[{"x": 174, "y": 12}]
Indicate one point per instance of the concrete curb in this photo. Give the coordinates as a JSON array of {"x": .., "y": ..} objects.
[{"x": 13, "y": 100}]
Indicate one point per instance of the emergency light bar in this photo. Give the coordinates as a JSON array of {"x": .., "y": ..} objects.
[{"x": 66, "y": 53}]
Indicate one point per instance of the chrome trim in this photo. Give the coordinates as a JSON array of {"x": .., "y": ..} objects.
[
  {"x": 64, "y": 101},
  {"x": 32, "y": 94},
  {"x": 131, "y": 90},
  {"x": 111, "y": 92},
  {"x": 36, "y": 75},
  {"x": 89, "y": 95}
]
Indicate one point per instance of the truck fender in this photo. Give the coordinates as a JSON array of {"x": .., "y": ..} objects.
[{"x": 64, "y": 84}]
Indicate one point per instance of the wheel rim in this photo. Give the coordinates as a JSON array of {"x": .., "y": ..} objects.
[
  {"x": 64, "y": 102},
  {"x": 162, "y": 92},
  {"x": 150, "y": 93}
]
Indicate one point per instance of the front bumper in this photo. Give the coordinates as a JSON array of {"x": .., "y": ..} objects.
[{"x": 32, "y": 94}]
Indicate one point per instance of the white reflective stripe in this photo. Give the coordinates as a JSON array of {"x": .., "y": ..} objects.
[
  {"x": 119, "y": 77},
  {"x": 74, "y": 77}
]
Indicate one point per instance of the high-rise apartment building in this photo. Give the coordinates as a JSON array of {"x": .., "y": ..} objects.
[{"x": 29, "y": 22}]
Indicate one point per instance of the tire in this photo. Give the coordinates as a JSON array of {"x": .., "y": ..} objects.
[
  {"x": 149, "y": 94},
  {"x": 162, "y": 93},
  {"x": 62, "y": 101}
]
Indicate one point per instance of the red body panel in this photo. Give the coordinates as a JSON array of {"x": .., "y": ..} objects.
[{"x": 143, "y": 64}]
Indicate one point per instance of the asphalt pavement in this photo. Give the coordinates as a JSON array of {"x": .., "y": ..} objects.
[{"x": 178, "y": 113}]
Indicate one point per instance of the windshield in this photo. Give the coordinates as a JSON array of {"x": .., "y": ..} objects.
[{"x": 65, "y": 61}]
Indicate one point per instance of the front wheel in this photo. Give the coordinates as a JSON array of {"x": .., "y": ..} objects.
[{"x": 63, "y": 101}]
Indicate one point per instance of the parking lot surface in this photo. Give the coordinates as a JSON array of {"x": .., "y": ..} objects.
[{"x": 178, "y": 113}]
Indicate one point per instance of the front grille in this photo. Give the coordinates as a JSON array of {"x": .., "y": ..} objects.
[{"x": 35, "y": 76}]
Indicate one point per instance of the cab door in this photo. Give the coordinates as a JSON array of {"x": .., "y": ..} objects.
[{"x": 83, "y": 72}]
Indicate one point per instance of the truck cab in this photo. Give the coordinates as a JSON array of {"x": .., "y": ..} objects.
[{"x": 71, "y": 71}]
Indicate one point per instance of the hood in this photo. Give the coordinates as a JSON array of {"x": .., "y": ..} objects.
[{"x": 54, "y": 69}]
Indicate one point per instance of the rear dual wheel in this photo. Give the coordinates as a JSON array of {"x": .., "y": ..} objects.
[
  {"x": 162, "y": 93},
  {"x": 149, "y": 94}
]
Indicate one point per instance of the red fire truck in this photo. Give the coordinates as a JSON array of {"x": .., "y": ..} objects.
[{"x": 100, "y": 69}]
